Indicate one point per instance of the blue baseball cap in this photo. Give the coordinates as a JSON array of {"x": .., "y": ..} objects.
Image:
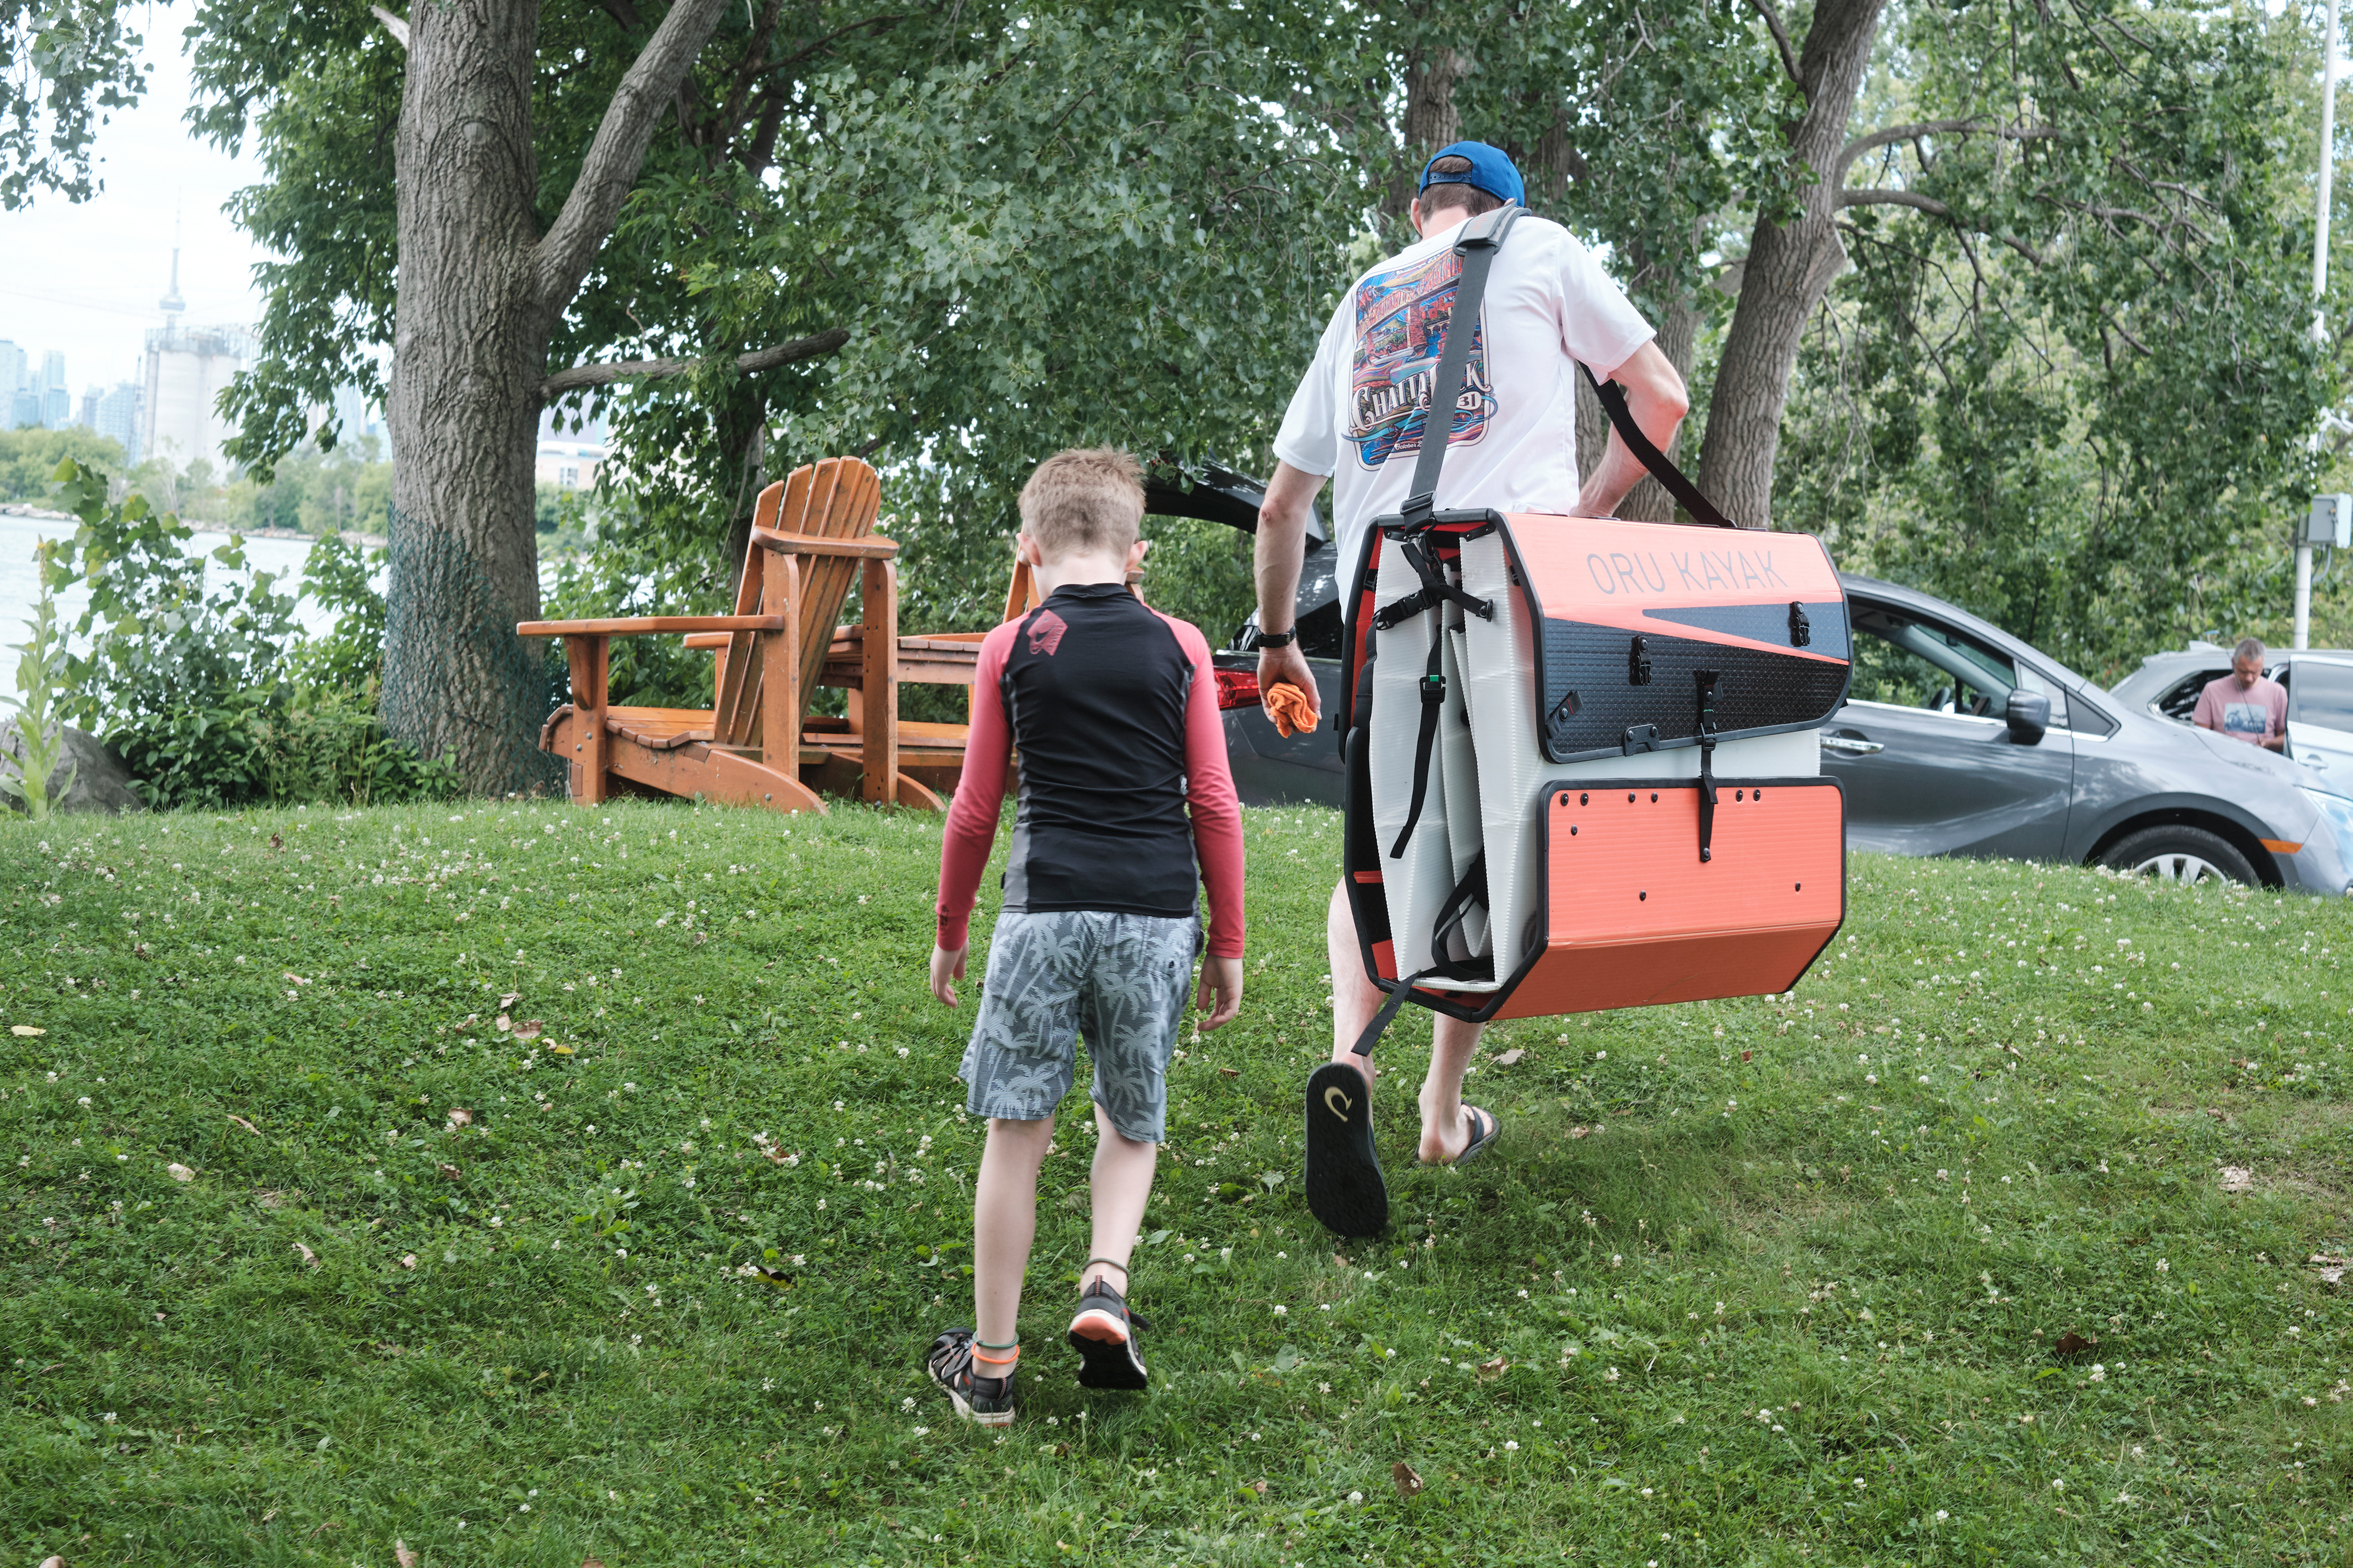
[{"x": 1491, "y": 171}]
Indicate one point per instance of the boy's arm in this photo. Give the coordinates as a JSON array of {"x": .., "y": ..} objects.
[
  {"x": 1209, "y": 797},
  {"x": 979, "y": 797}
]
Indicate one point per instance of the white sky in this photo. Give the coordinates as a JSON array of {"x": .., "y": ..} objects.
[{"x": 85, "y": 278}]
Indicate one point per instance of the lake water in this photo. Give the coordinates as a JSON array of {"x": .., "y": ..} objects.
[{"x": 20, "y": 584}]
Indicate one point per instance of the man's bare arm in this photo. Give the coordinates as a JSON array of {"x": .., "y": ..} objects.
[
  {"x": 1282, "y": 549},
  {"x": 1658, "y": 400}
]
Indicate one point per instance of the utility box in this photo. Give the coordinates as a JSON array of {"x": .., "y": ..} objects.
[{"x": 2330, "y": 522}]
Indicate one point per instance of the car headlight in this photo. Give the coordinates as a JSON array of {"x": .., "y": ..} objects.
[{"x": 2337, "y": 812}]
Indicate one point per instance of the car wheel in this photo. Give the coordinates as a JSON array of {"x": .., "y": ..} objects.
[{"x": 2187, "y": 854}]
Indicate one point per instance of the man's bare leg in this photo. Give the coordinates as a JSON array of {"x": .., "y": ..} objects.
[{"x": 1445, "y": 1131}]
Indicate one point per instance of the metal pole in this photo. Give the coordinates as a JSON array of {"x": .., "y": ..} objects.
[
  {"x": 2319, "y": 290},
  {"x": 2304, "y": 596},
  {"x": 2327, "y": 161}
]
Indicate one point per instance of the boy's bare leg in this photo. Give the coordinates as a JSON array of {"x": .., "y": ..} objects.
[
  {"x": 1122, "y": 1182},
  {"x": 1445, "y": 1131},
  {"x": 1004, "y": 1224}
]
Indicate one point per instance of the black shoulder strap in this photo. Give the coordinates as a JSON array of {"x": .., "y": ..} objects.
[
  {"x": 1613, "y": 403},
  {"x": 1476, "y": 242}
]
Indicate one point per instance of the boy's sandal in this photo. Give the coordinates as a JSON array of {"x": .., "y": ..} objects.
[{"x": 1103, "y": 1333}]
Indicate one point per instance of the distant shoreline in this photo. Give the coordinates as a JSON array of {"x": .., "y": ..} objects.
[{"x": 364, "y": 541}]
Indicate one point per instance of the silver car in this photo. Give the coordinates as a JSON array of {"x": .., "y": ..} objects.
[{"x": 1956, "y": 739}]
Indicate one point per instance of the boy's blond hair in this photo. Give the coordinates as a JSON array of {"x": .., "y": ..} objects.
[{"x": 1085, "y": 501}]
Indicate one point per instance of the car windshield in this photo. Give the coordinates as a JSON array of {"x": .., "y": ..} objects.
[
  {"x": 1913, "y": 663},
  {"x": 2322, "y": 693}
]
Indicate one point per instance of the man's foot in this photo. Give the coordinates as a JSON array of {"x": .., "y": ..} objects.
[
  {"x": 1343, "y": 1178},
  {"x": 986, "y": 1400},
  {"x": 1483, "y": 1130},
  {"x": 1103, "y": 1333}
]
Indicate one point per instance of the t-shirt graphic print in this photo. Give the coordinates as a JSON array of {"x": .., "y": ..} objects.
[{"x": 1401, "y": 322}]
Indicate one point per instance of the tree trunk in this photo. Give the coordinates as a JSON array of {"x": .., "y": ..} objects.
[
  {"x": 1431, "y": 120},
  {"x": 480, "y": 291},
  {"x": 1790, "y": 267},
  {"x": 469, "y": 351}
]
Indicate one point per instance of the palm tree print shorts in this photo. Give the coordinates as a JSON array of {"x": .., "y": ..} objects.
[{"x": 1121, "y": 980}]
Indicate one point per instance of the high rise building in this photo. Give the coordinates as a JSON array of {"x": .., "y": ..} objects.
[
  {"x": 11, "y": 381},
  {"x": 118, "y": 415},
  {"x": 187, "y": 369},
  {"x": 57, "y": 399},
  {"x": 87, "y": 417}
]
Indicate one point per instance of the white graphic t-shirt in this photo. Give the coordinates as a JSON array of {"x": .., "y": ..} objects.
[{"x": 1359, "y": 410}]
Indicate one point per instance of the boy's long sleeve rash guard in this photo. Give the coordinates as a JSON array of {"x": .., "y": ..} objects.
[{"x": 1127, "y": 802}]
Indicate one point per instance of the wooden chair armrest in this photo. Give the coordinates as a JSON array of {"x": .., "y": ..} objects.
[
  {"x": 642, "y": 626},
  {"x": 709, "y": 639},
  {"x": 873, "y": 547}
]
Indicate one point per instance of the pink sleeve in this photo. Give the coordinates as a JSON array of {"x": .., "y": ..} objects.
[
  {"x": 1209, "y": 796},
  {"x": 980, "y": 794},
  {"x": 2208, "y": 714}
]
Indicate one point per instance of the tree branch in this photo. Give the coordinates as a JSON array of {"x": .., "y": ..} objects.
[
  {"x": 815, "y": 346},
  {"x": 1917, "y": 129},
  {"x": 1781, "y": 41},
  {"x": 397, "y": 25},
  {"x": 619, "y": 150},
  {"x": 1872, "y": 197}
]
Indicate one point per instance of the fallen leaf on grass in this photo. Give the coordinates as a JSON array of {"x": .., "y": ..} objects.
[
  {"x": 278, "y": 841},
  {"x": 295, "y": 979},
  {"x": 530, "y": 1030},
  {"x": 1489, "y": 1371},
  {"x": 503, "y": 1023},
  {"x": 1408, "y": 1480},
  {"x": 1745, "y": 1055},
  {"x": 401, "y": 1555},
  {"x": 449, "y": 1171},
  {"x": 591, "y": 1563},
  {"x": 53, "y": 1563},
  {"x": 559, "y": 1050},
  {"x": 1230, "y": 1072},
  {"x": 507, "y": 1000},
  {"x": 1510, "y": 1057},
  {"x": 309, "y": 1258},
  {"x": 1258, "y": 1486},
  {"x": 180, "y": 1172},
  {"x": 2332, "y": 1267},
  {"x": 408, "y": 1261},
  {"x": 241, "y": 1121},
  {"x": 460, "y": 1117},
  {"x": 2072, "y": 1343},
  {"x": 26, "y": 1031},
  {"x": 325, "y": 1525},
  {"x": 2237, "y": 1178}
]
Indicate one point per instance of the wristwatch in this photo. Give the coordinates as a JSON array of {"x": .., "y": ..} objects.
[{"x": 1278, "y": 639}]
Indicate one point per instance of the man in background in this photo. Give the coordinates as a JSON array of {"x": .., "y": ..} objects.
[{"x": 2243, "y": 704}]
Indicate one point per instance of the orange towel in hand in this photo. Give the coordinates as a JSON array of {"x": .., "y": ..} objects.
[{"x": 1292, "y": 710}]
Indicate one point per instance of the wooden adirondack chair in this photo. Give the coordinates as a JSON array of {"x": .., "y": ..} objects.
[{"x": 810, "y": 533}]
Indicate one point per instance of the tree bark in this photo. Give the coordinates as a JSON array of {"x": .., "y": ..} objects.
[
  {"x": 479, "y": 292},
  {"x": 1431, "y": 120},
  {"x": 1790, "y": 267}
]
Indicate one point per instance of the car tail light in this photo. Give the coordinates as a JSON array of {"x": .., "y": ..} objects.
[{"x": 1238, "y": 689}]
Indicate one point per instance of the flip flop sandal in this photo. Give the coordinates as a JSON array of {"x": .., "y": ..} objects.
[
  {"x": 1343, "y": 1179},
  {"x": 1484, "y": 1129}
]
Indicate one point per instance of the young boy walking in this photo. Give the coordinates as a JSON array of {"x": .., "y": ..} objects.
[{"x": 1126, "y": 808}]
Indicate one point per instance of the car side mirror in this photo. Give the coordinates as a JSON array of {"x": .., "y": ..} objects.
[{"x": 2029, "y": 714}]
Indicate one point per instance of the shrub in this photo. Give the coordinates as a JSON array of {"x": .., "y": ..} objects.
[{"x": 212, "y": 694}]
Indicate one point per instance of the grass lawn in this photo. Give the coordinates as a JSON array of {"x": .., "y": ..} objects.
[{"x": 301, "y": 1253}]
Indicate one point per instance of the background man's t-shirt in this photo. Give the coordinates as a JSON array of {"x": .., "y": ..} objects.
[
  {"x": 2253, "y": 715},
  {"x": 1359, "y": 410}
]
